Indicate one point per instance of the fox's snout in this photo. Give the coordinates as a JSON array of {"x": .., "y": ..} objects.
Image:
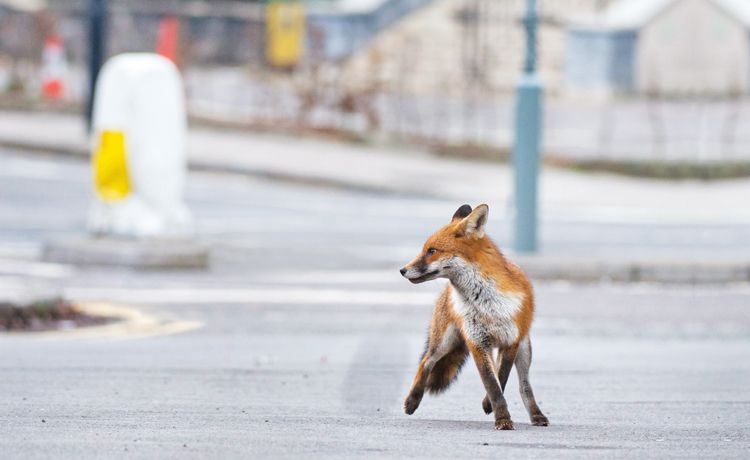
[
  {"x": 418, "y": 273},
  {"x": 410, "y": 273}
]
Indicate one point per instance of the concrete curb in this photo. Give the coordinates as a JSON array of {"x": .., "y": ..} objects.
[
  {"x": 641, "y": 271},
  {"x": 141, "y": 254}
]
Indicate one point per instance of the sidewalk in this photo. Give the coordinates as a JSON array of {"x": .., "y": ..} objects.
[
  {"x": 573, "y": 198},
  {"x": 416, "y": 173}
]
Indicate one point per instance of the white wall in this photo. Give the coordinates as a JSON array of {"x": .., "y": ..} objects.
[{"x": 693, "y": 48}]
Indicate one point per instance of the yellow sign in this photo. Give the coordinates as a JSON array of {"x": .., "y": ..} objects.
[
  {"x": 111, "y": 167},
  {"x": 285, "y": 31}
]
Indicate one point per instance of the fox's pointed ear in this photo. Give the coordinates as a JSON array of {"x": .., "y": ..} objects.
[
  {"x": 461, "y": 213},
  {"x": 473, "y": 224}
]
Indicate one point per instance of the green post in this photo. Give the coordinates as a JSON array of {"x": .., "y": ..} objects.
[{"x": 526, "y": 149}]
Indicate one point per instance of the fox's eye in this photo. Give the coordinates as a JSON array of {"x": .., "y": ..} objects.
[{"x": 431, "y": 251}]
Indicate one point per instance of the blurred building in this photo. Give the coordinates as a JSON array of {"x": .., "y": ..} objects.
[
  {"x": 23, "y": 5},
  {"x": 222, "y": 31},
  {"x": 342, "y": 27},
  {"x": 663, "y": 47}
]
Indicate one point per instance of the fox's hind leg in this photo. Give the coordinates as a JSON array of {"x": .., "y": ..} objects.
[
  {"x": 505, "y": 359},
  {"x": 523, "y": 362},
  {"x": 450, "y": 346}
]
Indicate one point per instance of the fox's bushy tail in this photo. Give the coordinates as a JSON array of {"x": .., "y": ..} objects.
[{"x": 445, "y": 371}]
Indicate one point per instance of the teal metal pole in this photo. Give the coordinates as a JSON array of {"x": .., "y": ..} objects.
[
  {"x": 528, "y": 131},
  {"x": 97, "y": 15}
]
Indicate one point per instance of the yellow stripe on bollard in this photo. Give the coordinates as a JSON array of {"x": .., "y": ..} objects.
[{"x": 110, "y": 167}]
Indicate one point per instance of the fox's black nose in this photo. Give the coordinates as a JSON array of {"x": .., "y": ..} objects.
[{"x": 403, "y": 271}]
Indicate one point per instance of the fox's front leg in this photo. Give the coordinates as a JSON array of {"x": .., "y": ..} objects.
[
  {"x": 426, "y": 365},
  {"x": 505, "y": 359},
  {"x": 483, "y": 359},
  {"x": 417, "y": 387}
]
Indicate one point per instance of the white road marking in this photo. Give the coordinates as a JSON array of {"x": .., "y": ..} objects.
[
  {"x": 23, "y": 290},
  {"x": 280, "y": 295},
  {"x": 35, "y": 269},
  {"x": 19, "y": 250},
  {"x": 335, "y": 277},
  {"x": 303, "y": 296}
]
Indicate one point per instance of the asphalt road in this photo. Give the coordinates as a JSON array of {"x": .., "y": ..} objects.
[{"x": 310, "y": 338}]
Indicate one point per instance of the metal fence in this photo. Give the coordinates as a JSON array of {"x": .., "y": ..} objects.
[{"x": 438, "y": 72}]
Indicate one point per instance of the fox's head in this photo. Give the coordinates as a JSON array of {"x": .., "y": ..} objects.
[{"x": 450, "y": 248}]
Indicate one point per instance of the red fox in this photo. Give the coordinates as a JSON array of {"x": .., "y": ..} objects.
[{"x": 488, "y": 304}]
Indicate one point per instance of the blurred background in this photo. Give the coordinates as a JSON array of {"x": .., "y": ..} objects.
[
  {"x": 626, "y": 81},
  {"x": 326, "y": 140}
]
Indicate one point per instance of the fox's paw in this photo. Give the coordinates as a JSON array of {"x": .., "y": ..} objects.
[
  {"x": 539, "y": 420},
  {"x": 503, "y": 424},
  {"x": 486, "y": 405},
  {"x": 411, "y": 404}
]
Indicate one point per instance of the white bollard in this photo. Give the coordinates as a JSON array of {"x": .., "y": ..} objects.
[{"x": 138, "y": 149}]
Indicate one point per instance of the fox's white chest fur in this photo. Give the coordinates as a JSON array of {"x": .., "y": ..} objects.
[{"x": 488, "y": 313}]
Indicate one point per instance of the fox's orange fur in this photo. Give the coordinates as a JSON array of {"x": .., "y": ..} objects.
[{"x": 488, "y": 304}]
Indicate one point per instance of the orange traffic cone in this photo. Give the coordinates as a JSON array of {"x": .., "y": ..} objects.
[
  {"x": 169, "y": 36},
  {"x": 54, "y": 68}
]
